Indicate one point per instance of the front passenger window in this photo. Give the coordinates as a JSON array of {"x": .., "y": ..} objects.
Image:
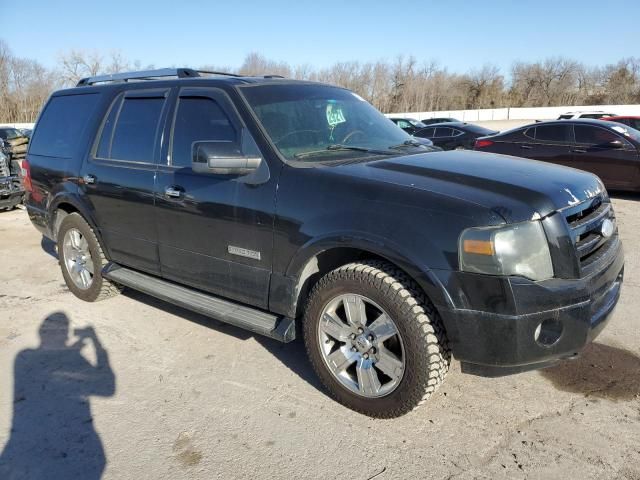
[{"x": 199, "y": 119}]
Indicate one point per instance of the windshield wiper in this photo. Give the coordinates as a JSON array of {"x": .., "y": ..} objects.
[
  {"x": 338, "y": 147},
  {"x": 407, "y": 143}
]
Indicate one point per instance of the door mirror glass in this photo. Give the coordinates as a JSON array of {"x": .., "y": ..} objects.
[
  {"x": 615, "y": 144},
  {"x": 221, "y": 157}
]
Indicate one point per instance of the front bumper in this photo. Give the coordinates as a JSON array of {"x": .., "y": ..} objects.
[
  {"x": 493, "y": 333},
  {"x": 11, "y": 192}
]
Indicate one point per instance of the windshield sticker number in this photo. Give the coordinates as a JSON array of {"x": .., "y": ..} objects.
[{"x": 334, "y": 115}]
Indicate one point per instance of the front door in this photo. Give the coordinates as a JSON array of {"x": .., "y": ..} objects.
[
  {"x": 215, "y": 231},
  {"x": 119, "y": 177},
  {"x": 608, "y": 155}
]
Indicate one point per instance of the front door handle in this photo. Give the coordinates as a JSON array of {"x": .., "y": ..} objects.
[
  {"x": 89, "y": 179},
  {"x": 526, "y": 147},
  {"x": 173, "y": 192},
  {"x": 579, "y": 150}
]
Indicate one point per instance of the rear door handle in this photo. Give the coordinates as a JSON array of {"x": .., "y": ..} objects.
[
  {"x": 174, "y": 192},
  {"x": 526, "y": 147},
  {"x": 89, "y": 179},
  {"x": 579, "y": 150}
]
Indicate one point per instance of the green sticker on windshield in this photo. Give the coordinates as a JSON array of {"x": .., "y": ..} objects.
[{"x": 334, "y": 115}]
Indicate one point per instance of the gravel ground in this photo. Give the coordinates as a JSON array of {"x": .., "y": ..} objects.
[{"x": 162, "y": 393}]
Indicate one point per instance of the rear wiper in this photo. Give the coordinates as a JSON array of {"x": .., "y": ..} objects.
[{"x": 337, "y": 147}]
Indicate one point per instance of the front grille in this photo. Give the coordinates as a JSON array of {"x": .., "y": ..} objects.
[{"x": 585, "y": 227}]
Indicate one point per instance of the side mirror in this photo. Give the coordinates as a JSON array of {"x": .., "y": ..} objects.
[{"x": 221, "y": 158}]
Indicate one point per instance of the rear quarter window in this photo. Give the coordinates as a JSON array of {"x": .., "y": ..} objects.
[{"x": 61, "y": 125}]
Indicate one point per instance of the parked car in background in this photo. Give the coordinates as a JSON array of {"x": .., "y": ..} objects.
[
  {"x": 16, "y": 144},
  {"x": 454, "y": 135},
  {"x": 432, "y": 121},
  {"x": 409, "y": 125},
  {"x": 608, "y": 149},
  {"x": 26, "y": 132},
  {"x": 594, "y": 114},
  {"x": 633, "y": 122},
  {"x": 11, "y": 190}
]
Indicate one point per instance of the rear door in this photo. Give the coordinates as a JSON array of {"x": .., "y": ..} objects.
[
  {"x": 552, "y": 144},
  {"x": 444, "y": 138},
  {"x": 119, "y": 177},
  {"x": 215, "y": 231},
  {"x": 617, "y": 164}
]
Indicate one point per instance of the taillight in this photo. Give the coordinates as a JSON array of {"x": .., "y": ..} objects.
[
  {"x": 26, "y": 176},
  {"x": 483, "y": 143}
]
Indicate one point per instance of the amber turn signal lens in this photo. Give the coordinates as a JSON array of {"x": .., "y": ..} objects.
[{"x": 479, "y": 247}]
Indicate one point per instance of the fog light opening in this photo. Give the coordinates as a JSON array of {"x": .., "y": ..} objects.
[{"x": 548, "y": 332}]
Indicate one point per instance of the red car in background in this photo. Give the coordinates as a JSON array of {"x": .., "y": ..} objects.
[{"x": 633, "y": 122}]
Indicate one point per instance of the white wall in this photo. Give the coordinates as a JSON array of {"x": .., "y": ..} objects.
[
  {"x": 18, "y": 125},
  {"x": 538, "y": 113}
]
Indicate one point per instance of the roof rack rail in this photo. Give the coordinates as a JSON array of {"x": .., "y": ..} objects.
[{"x": 148, "y": 75}]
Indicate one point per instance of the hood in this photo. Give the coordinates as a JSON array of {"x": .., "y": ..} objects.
[{"x": 517, "y": 189}]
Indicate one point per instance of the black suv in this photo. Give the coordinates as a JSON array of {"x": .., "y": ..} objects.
[{"x": 273, "y": 204}]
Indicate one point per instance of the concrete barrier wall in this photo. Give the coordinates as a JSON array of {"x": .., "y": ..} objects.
[
  {"x": 538, "y": 113},
  {"x": 18, "y": 125}
]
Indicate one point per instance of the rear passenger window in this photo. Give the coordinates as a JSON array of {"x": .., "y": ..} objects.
[
  {"x": 199, "y": 119},
  {"x": 61, "y": 125},
  {"x": 553, "y": 133},
  {"x": 443, "y": 132},
  {"x": 135, "y": 130}
]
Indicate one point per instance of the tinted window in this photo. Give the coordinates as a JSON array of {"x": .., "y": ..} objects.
[
  {"x": 104, "y": 146},
  {"x": 198, "y": 119},
  {"x": 426, "y": 133},
  {"x": 553, "y": 133},
  {"x": 593, "y": 135},
  {"x": 456, "y": 132},
  {"x": 444, "y": 132},
  {"x": 61, "y": 124},
  {"x": 135, "y": 130},
  {"x": 530, "y": 133}
]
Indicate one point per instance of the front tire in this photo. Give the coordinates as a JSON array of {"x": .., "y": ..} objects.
[
  {"x": 81, "y": 260},
  {"x": 374, "y": 340}
]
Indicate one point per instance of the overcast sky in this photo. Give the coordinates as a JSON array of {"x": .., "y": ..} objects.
[{"x": 460, "y": 35}]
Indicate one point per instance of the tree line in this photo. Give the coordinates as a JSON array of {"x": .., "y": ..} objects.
[{"x": 401, "y": 85}]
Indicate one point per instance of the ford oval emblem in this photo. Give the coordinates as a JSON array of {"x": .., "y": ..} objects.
[{"x": 607, "y": 228}]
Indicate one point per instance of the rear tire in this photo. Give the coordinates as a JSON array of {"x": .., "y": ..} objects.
[
  {"x": 81, "y": 260},
  {"x": 421, "y": 354}
]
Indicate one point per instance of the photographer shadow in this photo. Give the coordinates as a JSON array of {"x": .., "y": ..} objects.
[{"x": 52, "y": 434}]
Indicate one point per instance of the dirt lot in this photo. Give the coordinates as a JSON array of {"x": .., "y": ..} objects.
[{"x": 167, "y": 394}]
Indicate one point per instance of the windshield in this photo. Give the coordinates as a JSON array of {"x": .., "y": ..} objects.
[
  {"x": 9, "y": 133},
  {"x": 627, "y": 131},
  {"x": 317, "y": 122}
]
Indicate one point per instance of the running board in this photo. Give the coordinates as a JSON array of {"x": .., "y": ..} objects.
[{"x": 257, "y": 321}]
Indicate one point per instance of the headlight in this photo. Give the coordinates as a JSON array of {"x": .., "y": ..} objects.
[{"x": 518, "y": 249}]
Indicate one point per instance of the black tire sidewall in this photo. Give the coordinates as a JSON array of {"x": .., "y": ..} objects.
[{"x": 74, "y": 220}]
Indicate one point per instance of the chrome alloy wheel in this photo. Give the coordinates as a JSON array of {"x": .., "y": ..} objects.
[
  {"x": 361, "y": 345},
  {"x": 77, "y": 258}
]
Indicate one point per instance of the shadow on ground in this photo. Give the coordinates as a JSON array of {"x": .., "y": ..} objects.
[
  {"x": 625, "y": 195},
  {"x": 600, "y": 371},
  {"x": 52, "y": 433},
  {"x": 293, "y": 354}
]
